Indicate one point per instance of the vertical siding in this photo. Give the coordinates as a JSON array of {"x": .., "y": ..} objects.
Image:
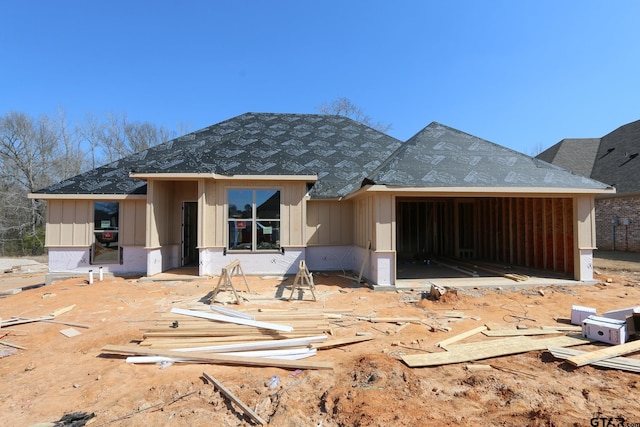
[
  {"x": 329, "y": 222},
  {"x": 132, "y": 222},
  {"x": 69, "y": 223}
]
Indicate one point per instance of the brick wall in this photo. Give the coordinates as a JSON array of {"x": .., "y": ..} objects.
[{"x": 627, "y": 237}]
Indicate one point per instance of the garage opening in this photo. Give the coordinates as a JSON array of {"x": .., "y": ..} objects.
[{"x": 441, "y": 237}]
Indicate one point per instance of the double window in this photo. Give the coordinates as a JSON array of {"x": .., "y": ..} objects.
[
  {"x": 254, "y": 220},
  {"x": 106, "y": 246}
]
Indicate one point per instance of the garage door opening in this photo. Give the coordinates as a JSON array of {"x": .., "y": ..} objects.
[{"x": 450, "y": 237}]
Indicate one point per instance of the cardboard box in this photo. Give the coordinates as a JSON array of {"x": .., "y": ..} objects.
[
  {"x": 579, "y": 313},
  {"x": 621, "y": 314},
  {"x": 631, "y": 315},
  {"x": 604, "y": 329}
]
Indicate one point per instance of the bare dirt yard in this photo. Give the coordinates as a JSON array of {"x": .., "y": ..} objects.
[{"x": 52, "y": 374}]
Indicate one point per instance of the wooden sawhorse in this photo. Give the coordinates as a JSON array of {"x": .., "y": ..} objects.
[
  {"x": 225, "y": 280},
  {"x": 303, "y": 276}
]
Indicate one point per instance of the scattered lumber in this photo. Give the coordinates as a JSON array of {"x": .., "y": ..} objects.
[
  {"x": 605, "y": 353},
  {"x": 216, "y": 358},
  {"x": 255, "y": 417},
  {"x": 485, "y": 350},
  {"x": 21, "y": 320},
  {"x": 460, "y": 337},
  {"x": 620, "y": 363},
  {"x": 237, "y": 320}
]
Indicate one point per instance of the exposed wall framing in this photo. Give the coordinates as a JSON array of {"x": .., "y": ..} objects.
[{"x": 532, "y": 232}]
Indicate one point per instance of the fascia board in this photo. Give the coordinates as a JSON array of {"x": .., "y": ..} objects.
[
  {"x": 178, "y": 176},
  {"x": 46, "y": 196},
  {"x": 479, "y": 191}
]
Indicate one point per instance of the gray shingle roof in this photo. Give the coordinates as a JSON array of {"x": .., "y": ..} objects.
[
  {"x": 341, "y": 152},
  {"x": 575, "y": 154},
  {"x": 440, "y": 156},
  {"x": 613, "y": 159}
]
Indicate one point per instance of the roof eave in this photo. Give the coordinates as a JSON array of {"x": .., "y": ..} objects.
[
  {"x": 196, "y": 175},
  {"x": 83, "y": 196},
  {"x": 477, "y": 191}
]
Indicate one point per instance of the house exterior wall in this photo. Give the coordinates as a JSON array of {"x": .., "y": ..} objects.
[
  {"x": 69, "y": 223},
  {"x": 69, "y": 237},
  {"x": 627, "y": 229},
  {"x": 329, "y": 223}
]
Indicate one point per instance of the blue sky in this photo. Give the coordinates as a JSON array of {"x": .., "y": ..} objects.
[{"x": 520, "y": 73}]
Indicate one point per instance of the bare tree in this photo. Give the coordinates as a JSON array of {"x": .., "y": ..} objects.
[
  {"x": 344, "y": 107},
  {"x": 117, "y": 137},
  {"x": 27, "y": 147}
]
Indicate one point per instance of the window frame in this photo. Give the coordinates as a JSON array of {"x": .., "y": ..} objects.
[
  {"x": 115, "y": 256},
  {"x": 253, "y": 221}
]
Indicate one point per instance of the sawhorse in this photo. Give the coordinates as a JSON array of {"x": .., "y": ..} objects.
[
  {"x": 225, "y": 280},
  {"x": 303, "y": 276}
]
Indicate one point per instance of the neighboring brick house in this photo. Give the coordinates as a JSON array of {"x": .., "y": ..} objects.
[{"x": 613, "y": 159}]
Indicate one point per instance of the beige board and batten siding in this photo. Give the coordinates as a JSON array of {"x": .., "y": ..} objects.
[
  {"x": 70, "y": 222},
  {"x": 374, "y": 221},
  {"x": 329, "y": 222},
  {"x": 164, "y": 210}
]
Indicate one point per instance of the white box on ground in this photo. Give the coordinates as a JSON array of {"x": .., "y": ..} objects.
[
  {"x": 579, "y": 313},
  {"x": 604, "y": 329}
]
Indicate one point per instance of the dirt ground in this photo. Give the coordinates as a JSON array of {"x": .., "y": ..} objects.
[{"x": 369, "y": 386}]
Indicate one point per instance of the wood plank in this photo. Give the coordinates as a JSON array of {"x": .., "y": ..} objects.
[
  {"x": 605, "y": 353},
  {"x": 395, "y": 320},
  {"x": 519, "y": 332},
  {"x": 236, "y": 320},
  {"x": 341, "y": 341},
  {"x": 22, "y": 320},
  {"x": 63, "y": 310},
  {"x": 232, "y": 313},
  {"x": 621, "y": 363},
  {"x": 563, "y": 328},
  {"x": 478, "y": 351},
  {"x": 216, "y": 358},
  {"x": 461, "y": 336},
  {"x": 258, "y": 345},
  {"x": 255, "y": 417},
  {"x": 8, "y": 344}
]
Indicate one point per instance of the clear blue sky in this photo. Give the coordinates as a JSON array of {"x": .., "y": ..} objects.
[{"x": 520, "y": 73}]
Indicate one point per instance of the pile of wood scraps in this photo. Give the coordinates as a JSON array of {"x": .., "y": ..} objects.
[
  {"x": 223, "y": 336},
  {"x": 516, "y": 342}
]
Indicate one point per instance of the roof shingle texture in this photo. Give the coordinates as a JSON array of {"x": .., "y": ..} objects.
[
  {"x": 440, "y": 156},
  {"x": 341, "y": 152},
  {"x": 613, "y": 159}
]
